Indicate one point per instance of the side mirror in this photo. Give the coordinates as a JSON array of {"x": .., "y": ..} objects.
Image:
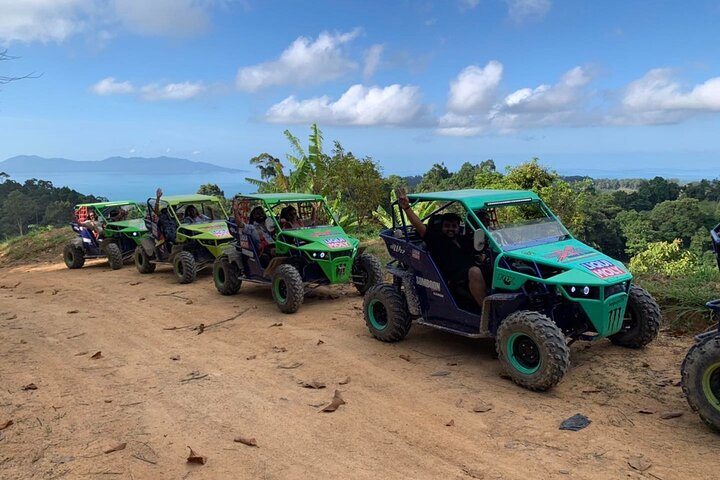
[{"x": 479, "y": 240}]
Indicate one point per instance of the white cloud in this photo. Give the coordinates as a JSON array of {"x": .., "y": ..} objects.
[
  {"x": 475, "y": 107},
  {"x": 474, "y": 88},
  {"x": 109, "y": 86},
  {"x": 41, "y": 20},
  {"x": 527, "y": 10},
  {"x": 372, "y": 60},
  {"x": 163, "y": 17},
  {"x": 57, "y": 20},
  {"x": 304, "y": 62},
  {"x": 172, "y": 91},
  {"x": 359, "y": 105}
]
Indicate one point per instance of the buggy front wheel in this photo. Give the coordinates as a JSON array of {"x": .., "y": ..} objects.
[
  {"x": 532, "y": 350},
  {"x": 386, "y": 314},
  {"x": 74, "y": 256},
  {"x": 366, "y": 272},
  {"x": 226, "y": 276},
  {"x": 184, "y": 267},
  {"x": 642, "y": 320},
  {"x": 701, "y": 380},
  {"x": 287, "y": 288},
  {"x": 114, "y": 256},
  {"x": 142, "y": 261}
]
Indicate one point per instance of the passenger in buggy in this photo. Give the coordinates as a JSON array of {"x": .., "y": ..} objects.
[
  {"x": 453, "y": 253},
  {"x": 257, "y": 229},
  {"x": 93, "y": 224},
  {"x": 165, "y": 222}
]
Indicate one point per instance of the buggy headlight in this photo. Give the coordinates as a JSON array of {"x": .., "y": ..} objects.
[
  {"x": 322, "y": 254},
  {"x": 584, "y": 291}
]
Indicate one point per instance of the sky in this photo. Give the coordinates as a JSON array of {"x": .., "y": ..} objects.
[{"x": 629, "y": 88}]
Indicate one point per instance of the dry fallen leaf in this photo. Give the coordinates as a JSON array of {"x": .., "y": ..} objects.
[
  {"x": 291, "y": 366},
  {"x": 251, "y": 357},
  {"x": 482, "y": 407},
  {"x": 6, "y": 425},
  {"x": 334, "y": 403},
  {"x": 175, "y": 357},
  {"x": 646, "y": 411},
  {"x": 96, "y": 355},
  {"x": 320, "y": 342},
  {"x": 80, "y": 354},
  {"x": 451, "y": 423},
  {"x": 250, "y": 442},
  {"x": 30, "y": 386},
  {"x": 116, "y": 448},
  {"x": 279, "y": 324},
  {"x": 404, "y": 357},
  {"x": 195, "y": 458},
  {"x": 73, "y": 311},
  {"x": 279, "y": 349},
  {"x": 639, "y": 463},
  {"x": 314, "y": 384},
  {"x": 442, "y": 373},
  {"x": 344, "y": 382},
  {"x": 669, "y": 415}
]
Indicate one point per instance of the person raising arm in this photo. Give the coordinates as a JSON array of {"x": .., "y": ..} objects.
[{"x": 452, "y": 254}]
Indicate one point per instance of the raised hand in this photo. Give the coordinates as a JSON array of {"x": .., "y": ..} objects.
[
  {"x": 402, "y": 198},
  {"x": 158, "y": 193}
]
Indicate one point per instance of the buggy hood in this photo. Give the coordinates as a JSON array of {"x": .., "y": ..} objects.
[
  {"x": 127, "y": 226},
  {"x": 575, "y": 262},
  {"x": 215, "y": 230},
  {"x": 322, "y": 238}
]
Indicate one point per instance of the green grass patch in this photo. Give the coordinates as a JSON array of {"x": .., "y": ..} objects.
[
  {"x": 45, "y": 243},
  {"x": 682, "y": 298}
]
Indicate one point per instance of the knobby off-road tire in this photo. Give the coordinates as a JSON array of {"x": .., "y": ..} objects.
[
  {"x": 642, "y": 320},
  {"x": 74, "y": 257},
  {"x": 287, "y": 288},
  {"x": 226, "y": 276},
  {"x": 114, "y": 256},
  {"x": 184, "y": 267},
  {"x": 366, "y": 272},
  {"x": 532, "y": 350},
  {"x": 701, "y": 380},
  {"x": 142, "y": 261},
  {"x": 386, "y": 313}
]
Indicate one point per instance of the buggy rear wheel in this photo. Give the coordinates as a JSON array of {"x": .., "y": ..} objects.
[
  {"x": 142, "y": 261},
  {"x": 532, "y": 350},
  {"x": 114, "y": 255},
  {"x": 386, "y": 314},
  {"x": 226, "y": 276},
  {"x": 366, "y": 272},
  {"x": 74, "y": 256},
  {"x": 642, "y": 320},
  {"x": 287, "y": 288},
  {"x": 184, "y": 267},
  {"x": 701, "y": 380}
]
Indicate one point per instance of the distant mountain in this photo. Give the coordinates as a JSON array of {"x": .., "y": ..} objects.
[{"x": 32, "y": 165}]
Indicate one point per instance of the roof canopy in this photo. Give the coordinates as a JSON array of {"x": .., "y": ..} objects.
[{"x": 474, "y": 198}]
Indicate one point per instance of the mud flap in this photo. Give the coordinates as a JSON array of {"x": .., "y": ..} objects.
[
  {"x": 498, "y": 306},
  {"x": 148, "y": 245}
]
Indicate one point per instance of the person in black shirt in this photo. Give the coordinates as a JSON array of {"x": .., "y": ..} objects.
[{"x": 452, "y": 253}]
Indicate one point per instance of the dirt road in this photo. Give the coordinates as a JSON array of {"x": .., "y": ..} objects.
[{"x": 409, "y": 410}]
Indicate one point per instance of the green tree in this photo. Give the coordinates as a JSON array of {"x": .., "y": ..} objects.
[
  {"x": 19, "y": 209},
  {"x": 357, "y": 182},
  {"x": 211, "y": 189},
  {"x": 433, "y": 179}
]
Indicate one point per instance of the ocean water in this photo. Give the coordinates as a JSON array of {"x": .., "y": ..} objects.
[{"x": 141, "y": 187}]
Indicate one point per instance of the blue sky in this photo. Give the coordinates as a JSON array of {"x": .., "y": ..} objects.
[{"x": 630, "y": 87}]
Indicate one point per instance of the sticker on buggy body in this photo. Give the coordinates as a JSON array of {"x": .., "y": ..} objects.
[
  {"x": 603, "y": 269},
  {"x": 220, "y": 232},
  {"x": 322, "y": 233},
  {"x": 336, "y": 243}
]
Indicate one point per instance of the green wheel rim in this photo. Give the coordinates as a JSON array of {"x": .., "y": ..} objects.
[
  {"x": 523, "y": 353},
  {"x": 711, "y": 385},
  {"x": 220, "y": 276},
  {"x": 377, "y": 313},
  {"x": 280, "y": 290}
]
